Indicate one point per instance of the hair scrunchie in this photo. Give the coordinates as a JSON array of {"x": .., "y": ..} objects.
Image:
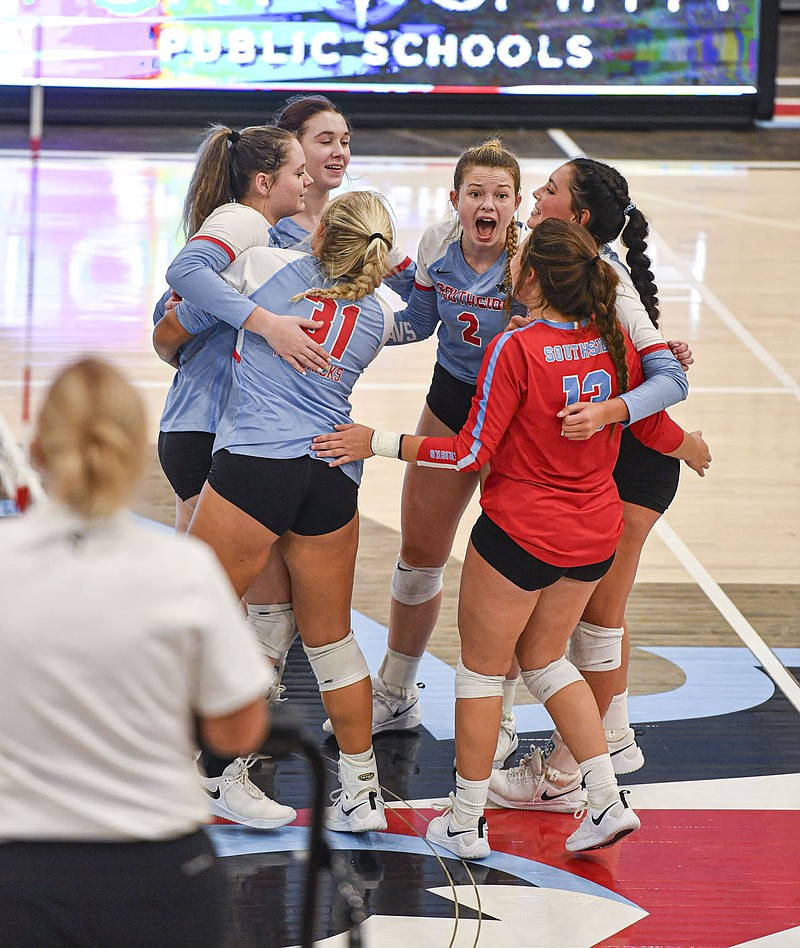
[
  {"x": 629, "y": 208},
  {"x": 233, "y": 137}
]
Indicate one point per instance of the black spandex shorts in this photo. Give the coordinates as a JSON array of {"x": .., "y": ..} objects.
[
  {"x": 644, "y": 476},
  {"x": 185, "y": 458},
  {"x": 303, "y": 495},
  {"x": 521, "y": 567},
  {"x": 449, "y": 398}
]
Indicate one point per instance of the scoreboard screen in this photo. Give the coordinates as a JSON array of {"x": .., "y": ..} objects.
[{"x": 607, "y": 48}]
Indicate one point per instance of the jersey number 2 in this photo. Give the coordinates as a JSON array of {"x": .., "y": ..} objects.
[
  {"x": 470, "y": 332},
  {"x": 326, "y": 313}
]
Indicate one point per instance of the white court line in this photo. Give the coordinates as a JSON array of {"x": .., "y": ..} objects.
[
  {"x": 726, "y": 316},
  {"x": 760, "y": 352},
  {"x": 738, "y": 390},
  {"x": 572, "y": 151},
  {"x": 723, "y": 212},
  {"x": 679, "y": 166},
  {"x": 774, "y": 668},
  {"x": 565, "y": 143},
  {"x": 424, "y": 386}
]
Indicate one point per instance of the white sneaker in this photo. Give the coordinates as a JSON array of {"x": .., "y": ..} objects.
[
  {"x": 507, "y": 740},
  {"x": 601, "y": 828},
  {"x": 235, "y": 797},
  {"x": 467, "y": 840},
  {"x": 359, "y": 814},
  {"x": 626, "y": 755},
  {"x": 533, "y": 785},
  {"x": 390, "y": 713},
  {"x": 358, "y": 804}
]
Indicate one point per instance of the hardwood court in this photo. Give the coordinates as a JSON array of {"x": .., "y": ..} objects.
[{"x": 88, "y": 239}]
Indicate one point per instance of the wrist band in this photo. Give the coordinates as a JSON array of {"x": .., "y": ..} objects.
[{"x": 385, "y": 444}]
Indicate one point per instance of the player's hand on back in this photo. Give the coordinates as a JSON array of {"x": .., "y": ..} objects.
[{"x": 346, "y": 443}]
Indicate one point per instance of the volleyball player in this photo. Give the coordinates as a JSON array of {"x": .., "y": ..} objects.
[
  {"x": 324, "y": 133},
  {"x": 462, "y": 286},
  {"x": 263, "y": 168},
  {"x": 597, "y": 197},
  {"x": 550, "y": 521},
  {"x": 264, "y": 482}
]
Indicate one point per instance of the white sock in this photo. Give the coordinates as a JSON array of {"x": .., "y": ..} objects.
[
  {"x": 599, "y": 780},
  {"x": 398, "y": 672},
  {"x": 470, "y": 799},
  {"x": 509, "y": 693},
  {"x": 616, "y": 718},
  {"x": 358, "y": 772},
  {"x": 357, "y": 761}
]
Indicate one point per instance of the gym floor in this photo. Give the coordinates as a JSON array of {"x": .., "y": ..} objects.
[{"x": 714, "y": 615}]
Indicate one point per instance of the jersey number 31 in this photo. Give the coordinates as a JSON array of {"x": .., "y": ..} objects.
[{"x": 327, "y": 310}]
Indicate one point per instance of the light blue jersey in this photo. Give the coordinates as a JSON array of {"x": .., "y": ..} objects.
[
  {"x": 272, "y": 410},
  {"x": 468, "y": 307},
  {"x": 287, "y": 233},
  {"x": 201, "y": 382},
  {"x": 200, "y": 386}
]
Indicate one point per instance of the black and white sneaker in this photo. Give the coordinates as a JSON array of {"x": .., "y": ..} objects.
[
  {"x": 507, "y": 740},
  {"x": 388, "y": 712},
  {"x": 626, "y": 755},
  {"x": 467, "y": 840},
  {"x": 534, "y": 785},
  {"x": 358, "y": 814},
  {"x": 235, "y": 797},
  {"x": 601, "y": 828}
]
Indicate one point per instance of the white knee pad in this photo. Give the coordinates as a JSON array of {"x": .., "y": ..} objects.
[
  {"x": 338, "y": 664},
  {"x": 543, "y": 683},
  {"x": 594, "y": 648},
  {"x": 470, "y": 684},
  {"x": 413, "y": 585},
  {"x": 275, "y": 630}
]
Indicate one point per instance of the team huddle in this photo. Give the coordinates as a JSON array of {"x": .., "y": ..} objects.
[{"x": 549, "y": 392}]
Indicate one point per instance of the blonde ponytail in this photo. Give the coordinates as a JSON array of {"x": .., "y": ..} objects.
[
  {"x": 352, "y": 242},
  {"x": 91, "y": 438}
]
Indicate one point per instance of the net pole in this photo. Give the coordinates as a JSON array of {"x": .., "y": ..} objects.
[{"x": 35, "y": 133}]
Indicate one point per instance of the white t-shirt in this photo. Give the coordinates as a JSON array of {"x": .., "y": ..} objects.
[{"x": 113, "y": 634}]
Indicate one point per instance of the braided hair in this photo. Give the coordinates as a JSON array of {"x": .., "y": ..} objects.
[
  {"x": 603, "y": 192},
  {"x": 576, "y": 282},
  {"x": 352, "y": 243},
  {"x": 492, "y": 154}
]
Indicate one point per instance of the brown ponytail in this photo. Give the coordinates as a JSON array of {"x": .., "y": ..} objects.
[{"x": 576, "y": 282}]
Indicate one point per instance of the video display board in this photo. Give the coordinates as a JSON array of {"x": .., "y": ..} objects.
[{"x": 504, "y": 47}]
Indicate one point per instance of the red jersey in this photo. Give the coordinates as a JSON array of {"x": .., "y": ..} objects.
[{"x": 556, "y": 498}]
